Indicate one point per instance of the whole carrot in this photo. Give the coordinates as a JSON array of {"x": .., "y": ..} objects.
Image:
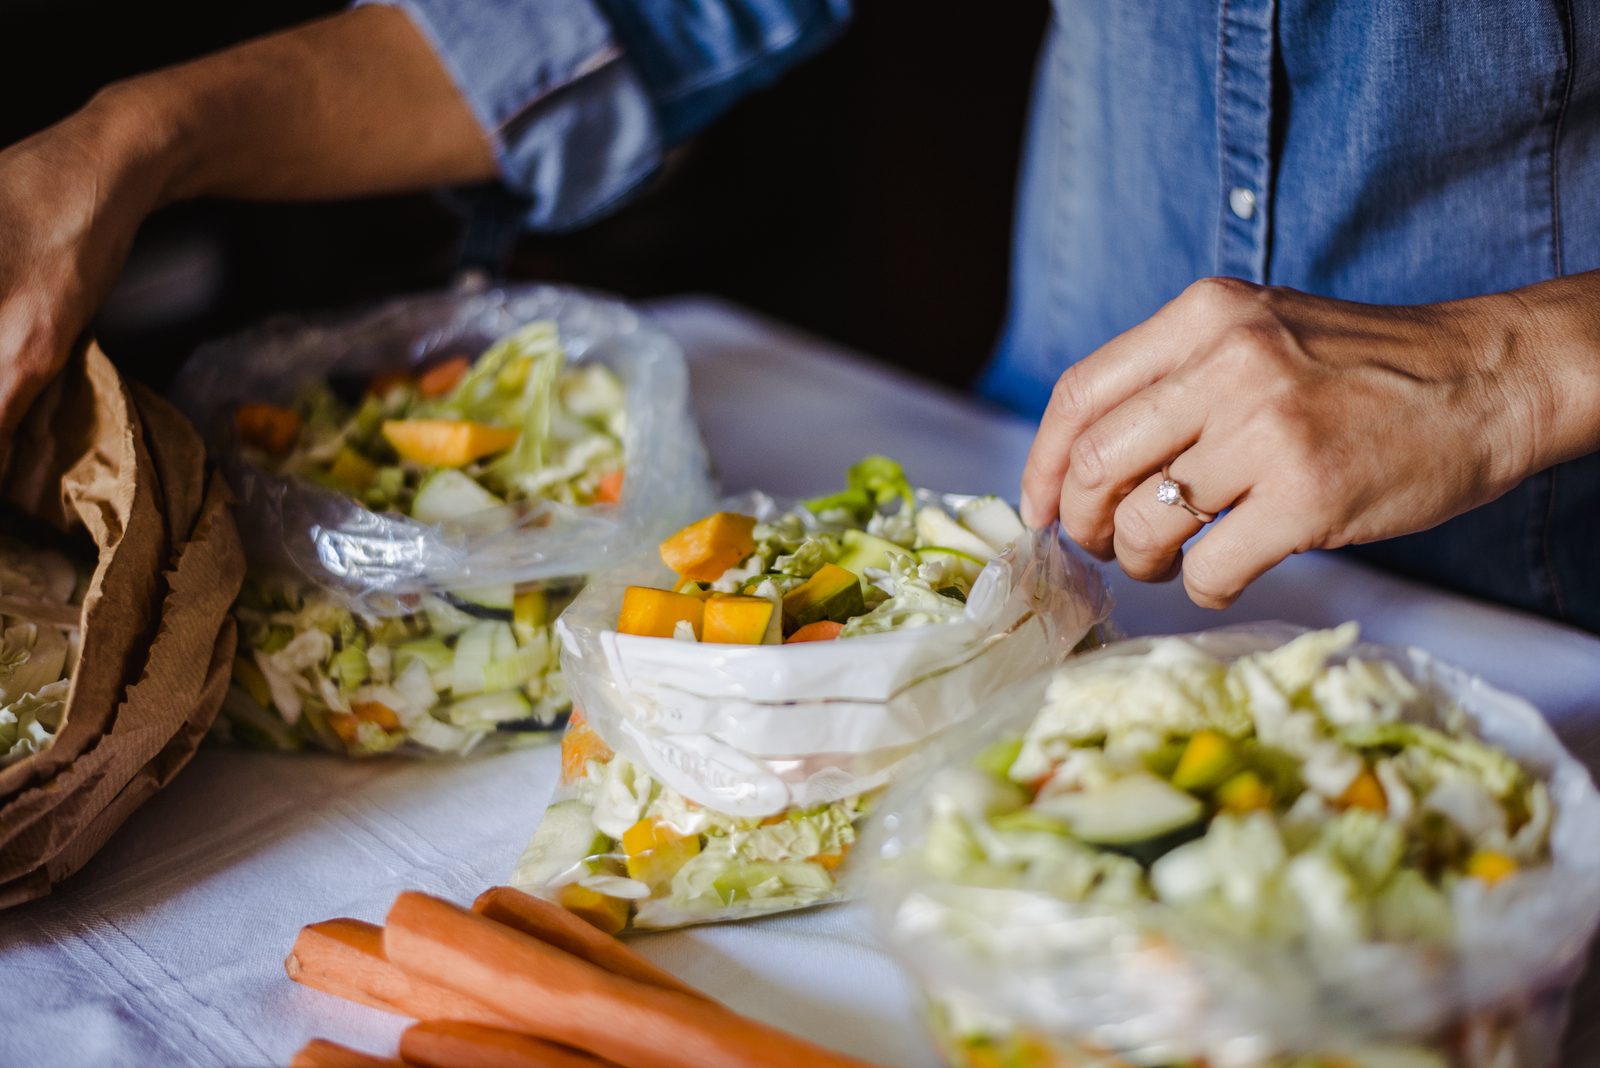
[
  {"x": 320, "y": 1053},
  {"x": 551, "y": 923},
  {"x": 345, "y": 958},
  {"x": 452, "y": 1044},
  {"x": 554, "y": 995}
]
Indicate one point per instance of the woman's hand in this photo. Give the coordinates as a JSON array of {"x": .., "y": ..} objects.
[
  {"x": 71, "y": 199},
  {"x": 1314, "y": 423}
]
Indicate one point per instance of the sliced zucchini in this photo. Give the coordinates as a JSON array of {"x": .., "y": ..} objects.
[
  {"x": 449, "y": 494},
  {"x": 1125, "y": 812}
]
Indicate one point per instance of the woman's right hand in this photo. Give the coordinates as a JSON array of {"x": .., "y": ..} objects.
[{"x": 71, "y": 198}]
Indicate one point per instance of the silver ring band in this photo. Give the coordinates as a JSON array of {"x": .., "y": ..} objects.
[{"x": 1169, "y": 492}]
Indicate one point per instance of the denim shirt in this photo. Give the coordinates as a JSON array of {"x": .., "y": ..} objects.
[{"x": 1387, "y": 151}]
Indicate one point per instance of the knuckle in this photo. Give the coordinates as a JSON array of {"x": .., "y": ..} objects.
[
  {"x": 1086, "y": 461},
  {"x": 1206, "y": 585},
  {"x": 1069, "y": 400},
  {"x": 1215, "y": 296},
  {"x": 1137, "y": 538}
]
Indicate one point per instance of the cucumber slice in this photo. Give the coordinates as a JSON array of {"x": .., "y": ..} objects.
[
  {"x": 1127, "y": 811},
  {"x": 449, "y": 494},
  {"x": 560, "y": 848},
  {"x": 433, "y": 653},
  {"x": 935, "y": 528},
  {"x": 477, "y": 647},
  {"x": 489, "y": 709},
  {"x": 994, "y": 521},
  {"x": 863, "y": 550}
]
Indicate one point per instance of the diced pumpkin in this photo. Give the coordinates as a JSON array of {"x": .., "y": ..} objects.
[
  {"x": 579, "y": 745},
  {"x": 823, "y": 630},
  {"x": 609, "y": 914},
  {"x": 345, "y": 725},
  {"x": 530, "y": 612},
  {"x": 704, "y": 549},
  {"x": 441, "y": 378},
  {"x": 1490, "y": 866},
  {"x": 653, "y": 613},
  {"x": 387, "y": 382},
  {"x": 1244, "y": 792},
  {"x": 735, "y": 620},
  {"x": 447, "y": 442},
  {"x": 267, "y": 426},
  {"x": 1365, "y": 791},
  {"x": 609, "y": 491},
  {"x": 655, "y": 851},
  {"x": 376, "y": 712},
  {"x": 1207, "y": 761},
  {"x": 350, "y": 468},
  {"x": 831, "y": 861},
  {"x": 831, "y": 593}
]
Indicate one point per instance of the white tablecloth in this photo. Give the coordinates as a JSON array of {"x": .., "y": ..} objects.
[{"x": 167, "y": 949}]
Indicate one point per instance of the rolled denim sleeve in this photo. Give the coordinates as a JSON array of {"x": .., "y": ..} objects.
[
  {"x": 697, "y": 57},
  {"x": 574, "y": 127}
]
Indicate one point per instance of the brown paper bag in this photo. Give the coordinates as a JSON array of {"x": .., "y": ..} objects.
[{"x": 113, "y": 464}]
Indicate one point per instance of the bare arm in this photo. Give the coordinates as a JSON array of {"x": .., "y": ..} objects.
[{"x": 354, "y": 104}]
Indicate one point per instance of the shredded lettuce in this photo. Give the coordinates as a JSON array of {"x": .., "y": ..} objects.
[
  {"x": 572, "y": 421},
  {"x": 439, "y": 679}
]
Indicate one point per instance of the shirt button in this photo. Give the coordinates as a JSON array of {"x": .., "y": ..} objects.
[{"x": 1242, "y": 202}]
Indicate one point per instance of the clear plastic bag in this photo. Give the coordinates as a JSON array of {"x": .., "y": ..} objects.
[
  {"x": 708, "y": 782},
  {"x": 376, "y": 561},
  {"x": 436, "y": 681},
  {"x": 1014, "y": 973}
]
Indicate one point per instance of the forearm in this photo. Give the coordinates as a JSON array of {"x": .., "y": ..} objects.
[{"x": 351, "y": 105}]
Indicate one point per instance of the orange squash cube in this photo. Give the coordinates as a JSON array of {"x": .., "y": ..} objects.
[
  {"x": 609, "y": 490},
  {"x": 655, "y": 851},
  {"x": 441, "y": 378},
  {"x": 1365, "y": 791},
  {"x": 610, "y": 914},
  {"x": 653, "y": 613},
  {"x": 737, "y": 620},
  {"x": 376, "y": 712},
  {"x": 447, "y": 442},
  {"x": 579, "y": 745},
  {"x": 703, "y": 550},
  {"x": 267, "y": 426}
]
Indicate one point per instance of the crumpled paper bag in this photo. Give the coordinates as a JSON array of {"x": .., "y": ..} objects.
[{"x": 115, "y": 470}]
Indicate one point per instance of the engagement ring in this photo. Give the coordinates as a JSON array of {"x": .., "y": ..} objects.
[{"x": 1169, "y": 492}]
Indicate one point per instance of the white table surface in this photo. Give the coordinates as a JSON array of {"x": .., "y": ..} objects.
[{"x": 166, "y": 950}]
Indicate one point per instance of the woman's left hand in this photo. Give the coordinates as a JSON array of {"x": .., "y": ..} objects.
[{"x": 1313, "y": 423}]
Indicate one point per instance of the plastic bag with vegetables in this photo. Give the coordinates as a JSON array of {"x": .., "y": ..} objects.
[
  {"x": 747, "y": 692},
  {"x": 1255, "y": 847},
  {"x": 421, "y": 497},
  {"x": 464, "y": 443}
]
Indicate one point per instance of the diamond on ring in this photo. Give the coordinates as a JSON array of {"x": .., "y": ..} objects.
[{"x": 1169, "y": 492}]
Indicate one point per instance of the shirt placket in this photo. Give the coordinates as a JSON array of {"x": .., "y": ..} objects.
[{"x": 1244, "y": 132}]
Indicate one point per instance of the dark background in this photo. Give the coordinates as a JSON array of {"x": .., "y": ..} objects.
[{"x": 866, "y": 197}]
